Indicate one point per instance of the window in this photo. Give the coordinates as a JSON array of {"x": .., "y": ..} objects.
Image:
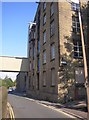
[
  {"x": 30, "y": 66},
  {"x": 44, "y": 56},
  {"x": 52, "y": 28},
  {"x": 78, "y": 49},
  {"x": 44, "y": 78},
  {"x": 33, "y": 51},
  {"x": 38, "y": 64},
  {"x": 51, "y": 9},
  {"x": 44, "y": 5},
  {"x": 29, "y": 52},
  {"x": 75, "y": 6},
  {"x": 44, "y": 19},
  {"x": 29, "y": 81},
  {"x": 53, "y": 76},
  {"x": 33, "y": 82},
  {"x": 75, "y": 24},
  {"x": 44, "y": 36},
  {"x": 33, "y": 64},
  {"x": 34, "y": 35},
  {"x": 38, "y": 46},
  {"x": 52, "y": 51}
]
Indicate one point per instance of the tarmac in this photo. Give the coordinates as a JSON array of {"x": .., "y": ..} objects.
[
  {"x": 69, "y": 109},
  {"x": 72, "y": 108}
]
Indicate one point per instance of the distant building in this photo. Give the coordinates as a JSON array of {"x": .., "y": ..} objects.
[
  {"x": 21, "y": 82},
  {"x": 55, "y": 53}
]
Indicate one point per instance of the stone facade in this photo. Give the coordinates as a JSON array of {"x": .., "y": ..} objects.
[
  {"x": 55, "y": 53},
  {"x": 21, "y": 82}
]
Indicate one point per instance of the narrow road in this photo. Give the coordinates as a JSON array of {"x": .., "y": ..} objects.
[{"x": 26, "y": 108}]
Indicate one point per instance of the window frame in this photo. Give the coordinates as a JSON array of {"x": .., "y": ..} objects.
[
  {"x": 75, "y": 24},
  {"x": 44, "y": 57},
  {"x": 51, "y": 9},
  {"x": 78, "y": 54},
  {"x": 44, "y": 19},
  {"x": 53, "y": 83},
  {"x": 44, "y": 78},
  {"x": 52, "y": 28},
  {"x": 44, "y": 6},
  {"x": 75, "y": 6},
  {"x": 44, "y": 37},
  {"x": 52, "y": 51}
]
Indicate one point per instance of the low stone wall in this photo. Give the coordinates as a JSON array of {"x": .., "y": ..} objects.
[{"x": 43, "y": 96}]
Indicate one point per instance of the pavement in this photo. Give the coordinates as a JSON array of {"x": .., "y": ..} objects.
[{"x": 72, "y": 108}]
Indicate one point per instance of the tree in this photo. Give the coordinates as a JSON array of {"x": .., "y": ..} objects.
[{"x": 7, "y": 82}]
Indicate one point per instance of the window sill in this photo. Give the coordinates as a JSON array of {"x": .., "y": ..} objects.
[
  {"x": 44, "y": 9},
  {"x": 44, "y": 43},
  {"x": 52, "y": 85},
  {"x": 44, "y": 24},
  {"x": 44, "y": 63},
  {"x": 51, "y": 35},
  {"x": 52, "y": 59},
  {"x": 75, "y": 57},
  {"x": 51, "y": 15}
]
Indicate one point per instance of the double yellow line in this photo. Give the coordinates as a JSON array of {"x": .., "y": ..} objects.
[{"x": 11, "y": 113}]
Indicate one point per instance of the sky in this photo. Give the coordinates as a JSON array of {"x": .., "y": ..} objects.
[{"x": 15, "y": 19}]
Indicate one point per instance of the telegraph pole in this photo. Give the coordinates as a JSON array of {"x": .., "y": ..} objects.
[{"x": 84, "y": 58}]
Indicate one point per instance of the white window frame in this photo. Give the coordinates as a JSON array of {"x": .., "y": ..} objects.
[
  {"x": 78, "y": 51},
  {"x": 76, "y": 26}
]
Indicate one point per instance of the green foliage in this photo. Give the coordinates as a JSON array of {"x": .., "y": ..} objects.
[{"x": 7, "y": 82}]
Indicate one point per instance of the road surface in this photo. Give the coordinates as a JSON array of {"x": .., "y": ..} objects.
[{"x": 26, "y": 108}]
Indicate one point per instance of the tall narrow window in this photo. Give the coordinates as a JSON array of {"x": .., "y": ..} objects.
[
  {"x": 44, "y": 56},
  {"x": 44, "y": 36},
  {"x": 33, "y": 82},
  {"x": 38, "y": 64},
  {"x": 29, "y": 81},
  {"x": 30, "y": 66},
  {"x": 78, "y": 49},
  {"x": 52, "y": 28},
  {"x": 75, "y": 6},
  {"x": 38, "y": 46},
  {"x": 53, "y": 51},
  {"x": 44, "y": 19},
  {"x": 51, "y": 9},
  {"x": 44, "y": 78},
  {"x": 33, "y": 51},
  {"x": 53, "y": 76},
  {"x": 44, "y": 5},
  {"x": 75, "y": 24}
]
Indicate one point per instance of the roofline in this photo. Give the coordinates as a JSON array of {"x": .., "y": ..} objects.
[{"x": 15, "y": 57}]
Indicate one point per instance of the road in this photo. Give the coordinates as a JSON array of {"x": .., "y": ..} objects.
[{"x": 26, "y": 108}]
